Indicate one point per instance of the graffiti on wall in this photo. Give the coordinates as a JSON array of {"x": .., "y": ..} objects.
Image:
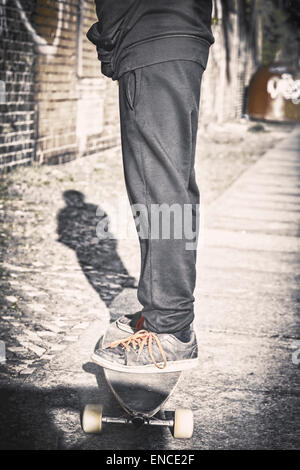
[
  {"x": 285, "y": 87},
  {"x": 274, "y": 93},
  {"x": 44, "y": 44}
]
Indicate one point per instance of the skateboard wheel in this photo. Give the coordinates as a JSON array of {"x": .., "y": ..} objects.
[
  {"x": 183, "y": 423},
  {"x": 92, "y": 419}
]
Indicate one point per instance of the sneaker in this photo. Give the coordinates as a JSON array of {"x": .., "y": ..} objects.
[
  {"x": 130, "y": 323},
  {"x": 145, "y": 352}
]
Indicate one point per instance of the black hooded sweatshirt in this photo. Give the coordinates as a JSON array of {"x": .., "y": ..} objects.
[{"x": 136, "y": 33}]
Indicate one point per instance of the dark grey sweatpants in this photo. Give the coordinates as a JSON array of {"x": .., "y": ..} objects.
[{"x": 159, "y": 106}]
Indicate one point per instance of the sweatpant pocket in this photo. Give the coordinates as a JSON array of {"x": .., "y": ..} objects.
[{"x": 133, "y": 87}]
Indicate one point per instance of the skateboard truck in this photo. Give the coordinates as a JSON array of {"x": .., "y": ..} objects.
[
  {"x": 137, "y": 421},
  {"x": 182, "y": 424}
]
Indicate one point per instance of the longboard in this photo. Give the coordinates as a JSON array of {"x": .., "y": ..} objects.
[{"x": 140, "y": 395}]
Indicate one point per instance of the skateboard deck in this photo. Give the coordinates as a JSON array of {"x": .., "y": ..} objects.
[{"x": 138, "y": 394}]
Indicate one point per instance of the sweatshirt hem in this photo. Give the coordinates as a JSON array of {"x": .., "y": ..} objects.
[{"x": 161, "y": 50}]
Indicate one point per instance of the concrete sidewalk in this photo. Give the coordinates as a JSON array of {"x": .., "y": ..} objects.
[{"x": 246, "y": 392}]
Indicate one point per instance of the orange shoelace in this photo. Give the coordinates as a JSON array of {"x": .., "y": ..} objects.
[{"x": 140, "y": 339}]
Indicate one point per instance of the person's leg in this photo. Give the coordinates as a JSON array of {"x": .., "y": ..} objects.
[
  {"x": 159, "y": 115},
  {"x": 159, "y": 107}
]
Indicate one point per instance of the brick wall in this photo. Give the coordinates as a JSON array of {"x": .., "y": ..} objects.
[
  {"x": 58, "y": 106},
  {"x": 98, "y": 96},
  {"x": 55, "y": 85},
  {"x": 70, "y": 91},
  {"x": 17, "y": 106},
  {"x": 227, "y": 76}
]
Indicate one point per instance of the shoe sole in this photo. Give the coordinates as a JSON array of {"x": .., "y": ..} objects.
[
  {"x": 172, "y": 366},
  {"x": 125, "y": 328}
]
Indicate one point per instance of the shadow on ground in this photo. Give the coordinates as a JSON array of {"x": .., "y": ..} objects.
[
  {"x": 50, "y": 418},
  {"x": 97, "y": 256}
]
